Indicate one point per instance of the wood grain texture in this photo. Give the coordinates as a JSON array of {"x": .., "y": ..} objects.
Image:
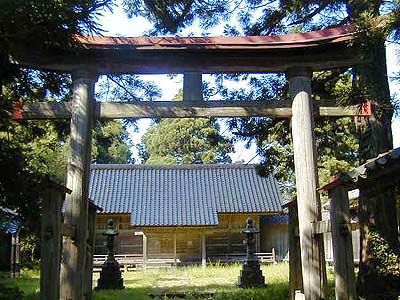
[
  {"x": 192, "y": 87},
  {"x": 320, "y": 50},
  {"x": 90, "y": 251},
  {"x": 345, "y": 282},
  {"x": 68, "y": 230},
  {"x": 184, "y": 109},
  {"x": 295, "y": 273},
  {"x": 309, "y": 207},
  {"x": 76, "y": 212},
  {"x": 50, "y": 246}
]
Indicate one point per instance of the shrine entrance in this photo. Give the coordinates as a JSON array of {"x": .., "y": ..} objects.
[{"x": 296, "y": 55}]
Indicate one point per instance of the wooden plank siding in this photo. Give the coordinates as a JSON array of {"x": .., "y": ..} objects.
[
  {"x": 223, "y": 242},
  {"x": 275, "y": 236}
]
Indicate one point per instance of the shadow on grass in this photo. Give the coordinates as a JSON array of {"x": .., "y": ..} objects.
[
  {"x": 27, "y": 283},
  {"x": 219, "y": 281},
  {"x": 273, "y": 291}
]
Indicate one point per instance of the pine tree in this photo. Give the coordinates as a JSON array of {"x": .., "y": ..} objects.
[{"x": 185, "y": 141}]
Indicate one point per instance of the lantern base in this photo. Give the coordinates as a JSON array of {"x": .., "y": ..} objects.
[
  {"x": 251, "y": 275},
  {"x": 110, "y": 276}
]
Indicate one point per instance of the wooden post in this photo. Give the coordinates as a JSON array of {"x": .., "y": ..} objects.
[
  {"x": 175, "y": 263},
  {"x": 309, "y": 206},
  {"x": 15, "y": 258},
  {"x": 295, "y": 274},
  {"x": 50, "y": 245},
  {"x": 192, "y": 87},
  {"x": 203, "y": 251},
  {"x": 273, "y": 255},
  {"x": 76, "y": 213},
  {"x": 144, "y": 251},
  {"x": 12, "y": 256},
  {"x": 345, "y": 283},
  {"x": 90, "y": 250}
]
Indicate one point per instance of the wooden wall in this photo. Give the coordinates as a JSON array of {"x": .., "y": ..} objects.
[
  {"x": 275, "y": 236},
  {"x": 223, "y": 240},
  {"x": 161, "y": 244},
  {"x": 355, "y": 236}
]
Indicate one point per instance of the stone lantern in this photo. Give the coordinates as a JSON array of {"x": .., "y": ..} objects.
[
  {"x": 110, "y": 275},
  {"x": 251, "y": 274}
]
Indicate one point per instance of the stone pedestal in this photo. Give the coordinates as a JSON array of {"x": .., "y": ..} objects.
[
  {"x": 251, "y": 275},
  {"x": 110, "y": 276}
]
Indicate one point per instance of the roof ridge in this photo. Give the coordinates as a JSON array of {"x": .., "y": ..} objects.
[{"x": 173, "y": 167}]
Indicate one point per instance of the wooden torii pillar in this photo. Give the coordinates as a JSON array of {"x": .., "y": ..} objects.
[
  {"x": 295, "y": 273},
  {"x": 308, "y": 201},
  {"x": 51, "y": 232},
  {"x": 192, "y": 86},
  {"x": 73, "y": 264}
]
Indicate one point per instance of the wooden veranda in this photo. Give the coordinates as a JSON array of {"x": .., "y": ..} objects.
[{"x": 296, "y": 55}]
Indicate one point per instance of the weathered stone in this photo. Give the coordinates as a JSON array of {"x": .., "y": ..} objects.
[
  {"x": 251, "y": 274},
  {"x": 110, "y": 275}
]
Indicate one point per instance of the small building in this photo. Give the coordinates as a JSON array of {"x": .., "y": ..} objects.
[
  {"x": 9, "y": 241},
  {"x": 187, "y": 212}
]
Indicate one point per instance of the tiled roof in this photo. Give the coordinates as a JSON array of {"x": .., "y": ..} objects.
[
  {"x": 9, "y": 227},
  {"x": 187, "y": 195},
  {"x": 385, "y": 168},
  {"x": 8, "y": 221},
  {"x": 375, "y": 165},
  {"x": 275, "y": 219}
]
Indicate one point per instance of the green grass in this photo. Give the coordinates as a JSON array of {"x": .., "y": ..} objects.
[
  {"x": 28, "y": 282},
  {"x": 219, "y": 279}
]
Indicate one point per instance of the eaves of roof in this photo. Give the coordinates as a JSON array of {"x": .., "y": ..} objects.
[{"x": 382, "y": 167}]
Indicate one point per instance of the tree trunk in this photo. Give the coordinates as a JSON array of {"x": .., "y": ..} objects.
[{"x": 377, "y": 211}]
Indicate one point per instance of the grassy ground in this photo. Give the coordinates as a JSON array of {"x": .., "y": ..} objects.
[{"x": 220, "y": 280}]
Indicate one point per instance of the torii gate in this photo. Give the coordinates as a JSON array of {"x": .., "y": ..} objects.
[{"x": 297, "y": 55}]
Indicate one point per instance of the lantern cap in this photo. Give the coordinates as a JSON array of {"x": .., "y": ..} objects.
[
  {"x": 111, "y": 228},
  {"x": 249, "y": 227}
]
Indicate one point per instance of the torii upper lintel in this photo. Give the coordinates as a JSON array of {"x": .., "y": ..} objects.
[{"x": 316, "y": 50}]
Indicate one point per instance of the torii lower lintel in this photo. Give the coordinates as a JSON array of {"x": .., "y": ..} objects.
[{"x": 174, "y": 109}]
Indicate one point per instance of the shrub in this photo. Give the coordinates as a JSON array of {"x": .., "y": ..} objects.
[{"x": 10, "y": 293}]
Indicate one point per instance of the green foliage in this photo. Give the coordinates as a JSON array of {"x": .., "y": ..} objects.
[
  {"x": 185, "y": 141},
  {"x": 336, "y": 138},
  {"x": 33, "y": 150},
  {"x": 10, "y": 293},
  {"x": 258, "y": 17},
  {"x": 45, "y": 25},
  {"x": 111, "y": 143},
  {"x": 385, "y": 258},
  {"x": 171, "y": 16},
  {"x": 26, "y": 285},
  {"x": 381, "y": 272},
  {"x": 126, "y": 88}
]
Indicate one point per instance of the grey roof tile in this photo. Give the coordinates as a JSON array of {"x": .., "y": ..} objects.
[
  {"x": 375, "y": 165},
  {"x": 188, "y": 195}
]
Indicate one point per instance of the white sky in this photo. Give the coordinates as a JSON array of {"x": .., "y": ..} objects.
[{"x": 117, "y": 24}]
